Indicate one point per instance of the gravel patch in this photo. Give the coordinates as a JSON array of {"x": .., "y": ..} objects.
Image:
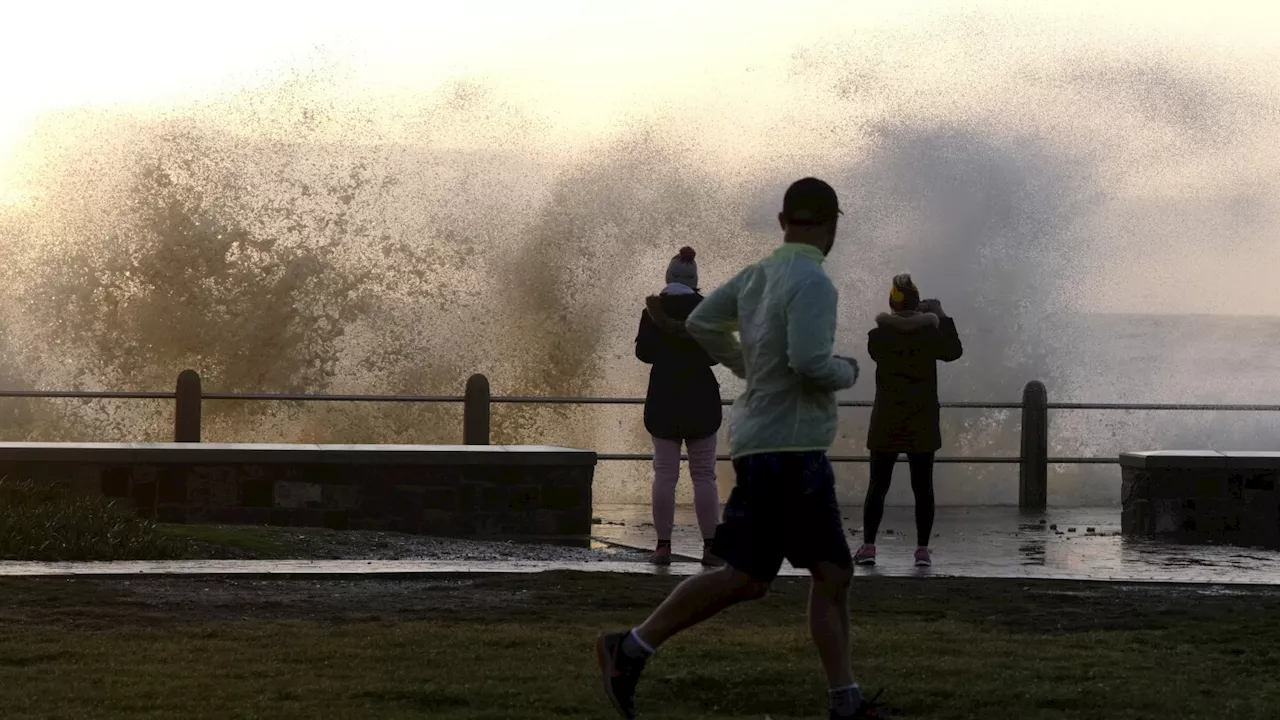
[{"x": 321, "y": 544}]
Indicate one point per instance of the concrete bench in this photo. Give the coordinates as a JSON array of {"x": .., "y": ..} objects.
[
  {"x": 516, "y": 491},
  {"x": 1202, "y": 496}
]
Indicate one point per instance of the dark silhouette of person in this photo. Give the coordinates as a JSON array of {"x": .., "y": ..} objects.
[
  {"x": 774, "y": 325},
  {"x": 681, "y": 407},
  {"x": 906, "y": 346}
]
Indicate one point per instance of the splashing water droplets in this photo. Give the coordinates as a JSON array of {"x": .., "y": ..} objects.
[{"x": 345, "y": 225}]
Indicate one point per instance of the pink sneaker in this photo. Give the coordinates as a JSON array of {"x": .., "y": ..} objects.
[
  {"x": 866, "y": 555},
  {"x": 924, "y": 558},
  {"x": 661, "y": 556}
]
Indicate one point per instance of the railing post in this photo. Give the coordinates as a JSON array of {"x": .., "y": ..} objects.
[
  {"x": 186, "y": 414},
  {"x": 1033, "y": 475},
  {"x": 475, "y": 411}
]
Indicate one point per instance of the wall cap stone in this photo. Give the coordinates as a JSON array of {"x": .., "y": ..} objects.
[
  {"x": 1256, "y": 460},
  {"x": 264, "y": 453},
  {"x": 1202, "y": 460},
  {"x": 1174, "y": 460}
]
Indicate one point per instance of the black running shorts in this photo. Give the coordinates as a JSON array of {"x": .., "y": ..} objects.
[{"x": 783, "y": 507}]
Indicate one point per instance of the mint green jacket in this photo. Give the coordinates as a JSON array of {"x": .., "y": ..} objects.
[{"x": 784, "y": 310}]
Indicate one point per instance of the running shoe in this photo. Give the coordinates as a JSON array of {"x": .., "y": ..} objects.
[
  {"x": 866, "y": 555},
  {"x": 868, "y": 710},
  {"x": 661, "y": 556},
  {"x": 924, "y": 558},
  {"x": 620, "y": 673}
]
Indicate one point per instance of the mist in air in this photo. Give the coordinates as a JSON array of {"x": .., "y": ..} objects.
[{"x": 1098, "y": 210}]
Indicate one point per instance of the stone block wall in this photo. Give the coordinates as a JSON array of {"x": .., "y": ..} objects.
[
  {"x": 508, "y": 492},
  {"x": 1230, "y": 498}
]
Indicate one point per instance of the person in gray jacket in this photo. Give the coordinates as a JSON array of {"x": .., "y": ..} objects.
[{"x": 783, "y": 507}]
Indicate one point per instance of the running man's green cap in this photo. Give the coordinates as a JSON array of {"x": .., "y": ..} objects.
[{"x": 810, "y": 201}]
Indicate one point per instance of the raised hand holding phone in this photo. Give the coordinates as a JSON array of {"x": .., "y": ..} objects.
[{"x": 932, "y": 305}]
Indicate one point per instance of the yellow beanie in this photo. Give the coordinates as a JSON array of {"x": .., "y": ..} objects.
[{"x": 902, "y": 284}]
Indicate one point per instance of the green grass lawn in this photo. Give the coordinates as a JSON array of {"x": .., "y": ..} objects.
[
  {"x": 520, "y": 647},
  {"x": 253, "y": 541}
]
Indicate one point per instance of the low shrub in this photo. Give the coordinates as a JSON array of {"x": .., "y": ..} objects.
[{"x": 44, "y": 521}]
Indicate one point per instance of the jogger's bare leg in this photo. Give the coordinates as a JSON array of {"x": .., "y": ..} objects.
[
  {"x": 829, "y": 621},
  {"x": 697, "y": 599}
]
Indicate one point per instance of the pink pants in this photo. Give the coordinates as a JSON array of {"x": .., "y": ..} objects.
[{"x": 666, "y": 473}]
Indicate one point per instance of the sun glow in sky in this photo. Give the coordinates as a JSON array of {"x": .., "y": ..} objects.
[
  {"x": 584, "y": 62},
  {"x": 581, "y": 68}
]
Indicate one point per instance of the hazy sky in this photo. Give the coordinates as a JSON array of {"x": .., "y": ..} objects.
[
  {"x": 584, "y": 67},
  {"x": 590, "y": 60}
]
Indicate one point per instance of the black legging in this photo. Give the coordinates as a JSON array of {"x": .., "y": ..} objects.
[{"x": 882, "y": 464}]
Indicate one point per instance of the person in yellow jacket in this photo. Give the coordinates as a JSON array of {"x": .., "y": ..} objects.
[{"x": 783, "y": 310}]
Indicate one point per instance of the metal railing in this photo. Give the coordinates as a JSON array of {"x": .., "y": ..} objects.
[{"x": 1033, "y": 459}]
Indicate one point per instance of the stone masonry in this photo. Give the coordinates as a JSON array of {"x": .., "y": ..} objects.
[
  {"x": 464, "y": 491},
  {"x": 1202, "y": 497}
]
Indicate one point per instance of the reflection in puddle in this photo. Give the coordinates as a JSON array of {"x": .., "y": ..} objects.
[{"x": 1033, "y": 553}]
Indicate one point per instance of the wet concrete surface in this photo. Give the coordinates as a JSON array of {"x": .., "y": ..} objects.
[
  {"x": 1003, "y": 542},
  {"x": 981, "y": 542}
]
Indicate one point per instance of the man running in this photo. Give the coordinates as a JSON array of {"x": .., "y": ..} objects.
[{"x": 784, "y": 505}]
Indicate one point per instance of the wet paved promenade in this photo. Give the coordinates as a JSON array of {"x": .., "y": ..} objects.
[
  {"x": 1001, "y": 542},
  {"x": 1077, "y": 544}
]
